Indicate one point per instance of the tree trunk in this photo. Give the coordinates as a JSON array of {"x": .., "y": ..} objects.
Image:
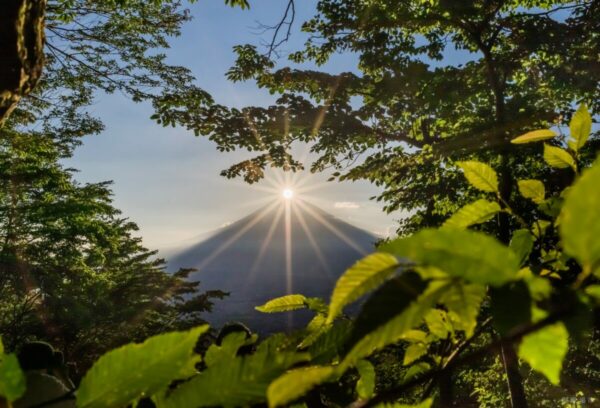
[
  {"x": 21, "y": 50},
  {"x": 510, "y": 360}
]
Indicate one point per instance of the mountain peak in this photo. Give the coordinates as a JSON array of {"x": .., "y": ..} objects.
[{"x": 283, "y": 248}]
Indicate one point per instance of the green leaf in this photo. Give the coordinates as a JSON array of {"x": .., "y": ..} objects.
[
  {"x": 438, "y": 324},
  {"x": 594, "y": 292},
  {"x": 579, "y": 222},
  {"x": 558, "y": 158},
  {"x": 364, "y": 276},
  {"x": 534, "y": 136},
  {"x": 396, "y": 328},
  {"x": 365, "y": 386},
  {"x": 330, "y": 344},
  {"x": 545, "y": 350},
  {"x": 480, "y": 175},
  {"x": 475, "y": 213},
  {"x": 12, "y": 379},
  {"x": 123, "y": 375},
  {"x": 295, "y": 383},
  {"x": 283, "y": 304},
  {"x": 226, "y": 351},
  {"x": 414, "y": 352},
  {"x": 580, "y": 127},
  {"x": 240, "y": 381},
  {"x": 463, "y": 301},
  {"x": 471, "y": 255},
  {"x": 386, "y": 303},
  {"x": 521, "y": 244},
  {"x": 533, "y": 190},
  {"x": 423, "y": 404}
]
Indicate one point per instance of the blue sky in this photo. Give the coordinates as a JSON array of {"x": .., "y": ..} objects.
[{"x": 166, "y": 179}]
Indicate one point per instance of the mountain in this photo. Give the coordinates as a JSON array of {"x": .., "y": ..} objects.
[{"x": 287, "y": 247}]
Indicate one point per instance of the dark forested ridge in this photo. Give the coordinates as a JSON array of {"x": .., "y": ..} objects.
[{"x": 247, "y": 259}]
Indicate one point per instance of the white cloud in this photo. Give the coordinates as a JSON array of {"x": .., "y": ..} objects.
[{"x": 348, "y": 205}]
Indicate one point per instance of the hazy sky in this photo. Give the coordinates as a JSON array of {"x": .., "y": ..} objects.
[{"x": 166, "y": 179}]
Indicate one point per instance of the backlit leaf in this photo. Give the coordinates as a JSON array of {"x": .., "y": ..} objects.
[
  {"x": 122, "y": 375},
  {"x": 480, "y": 175},
  {"x": 545, "y": 349},
  {"x": 396, "y": 328},
  {"x": 295, "y": 383},
  {"x": 12, "y": 379},
  {"x": 533, "y": 190},
  {"x": 521, "y": 244},
  {"x": 241, "y": 381},
  {"x": 283, "y": 304},
  {"x": 475, "y": 213},
  {"x": 414, "y": 352},
  {"x": 534, "y": 136},
  {"x": 558, "y": 158},
  {"x": 580, "y": 128},
  {"x": 580, "y": 224},
  {"x": 365, "y": 386},
  {"x": 437, "y": 323},
  {"x": 463, "y": 301},
  {"x": 471, "y": 255},
  {"x": 364, "y": 276}
]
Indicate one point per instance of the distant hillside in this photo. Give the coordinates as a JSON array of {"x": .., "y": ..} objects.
[{"x": 248, "y": 259}]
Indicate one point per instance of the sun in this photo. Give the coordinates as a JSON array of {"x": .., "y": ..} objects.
[{"x": 288, "y": 193}]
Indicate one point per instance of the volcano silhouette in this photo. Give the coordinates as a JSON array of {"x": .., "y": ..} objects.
[{"x": 288, "y": 247}]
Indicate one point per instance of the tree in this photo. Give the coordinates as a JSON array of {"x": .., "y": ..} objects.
[{"x": 73, "y": 271}]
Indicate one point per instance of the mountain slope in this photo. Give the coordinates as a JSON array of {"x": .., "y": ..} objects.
[{"x": 289, "y": 247}]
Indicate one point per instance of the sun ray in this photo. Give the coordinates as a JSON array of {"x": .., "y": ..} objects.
[
  {"x": 265, "y": 244},
  {"x": 332, "y": 228},
  {"x": 313, "y": 242},
  {"x": 206, "y": 261},
  {"x": 288, "y": 247}
]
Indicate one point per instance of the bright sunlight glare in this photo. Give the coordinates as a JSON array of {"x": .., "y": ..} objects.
[{"x": 288, "y": 194}]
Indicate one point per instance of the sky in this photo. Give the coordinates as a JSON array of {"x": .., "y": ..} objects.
[{"x": 167, "y": 180}]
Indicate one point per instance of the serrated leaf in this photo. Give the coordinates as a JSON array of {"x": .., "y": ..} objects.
[
  {"x": 226, "y": 351},
  {"x": 463, "y": 301},
  {"x": 580, "y": 127},
  {"x": 471, "y": 255},
  {"x": 533, "y": 190},
  {"x": 545, "y": 350},
  {"x": 414, "y": 352},
  {"x": 580, "y": 224},
  {"x": 474, "y": 213},
  {"x": 283, "y": 304},
  {"x": 437, "y": 323},
  {"x": 122, "y": 375},
  {"x": 558, "y": 158},
  {"x": 243, "y": 381},
  {"x": 12, "y": 379},
  {"x": 423, "y": 404},
  {"x": 390, "y": 300},
  {"x": 364, "y": 276},
  {"x": 480, "y": 175},
  {"x": 534, "y": 136},
  {"x": 521, "y": 244},
  {"x": 365, "y": 386},
  {"x": 295, "y": 383},
  {"x": 594, "y": 292},
  {"x": 330, "y": 344},
  {"x": 396, "y": 328},
  {"x": 416, "y": 369}
]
